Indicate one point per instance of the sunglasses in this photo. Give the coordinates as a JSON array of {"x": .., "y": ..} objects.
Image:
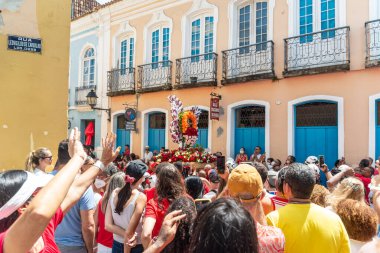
[{"x": 48, "y": 157}]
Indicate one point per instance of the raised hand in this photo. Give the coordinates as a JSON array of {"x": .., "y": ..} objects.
[
  {"x": 109, "y": 153},
  {"x": 75, "y": 146},
  {"x": 169, "y": 227},
  {"x": 324, "y": 168}
]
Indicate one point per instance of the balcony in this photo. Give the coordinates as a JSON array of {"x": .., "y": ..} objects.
[
  {"x": 121, "y": 82},
  {"x": 155, "y": 77},
  {"x": 248, "y": 63},
  {"x": 196, "y": 71},
  {"x": 372, "y": 29},
  {"x": 319, "y": 52},
  {"x": 81, "y": 93}
]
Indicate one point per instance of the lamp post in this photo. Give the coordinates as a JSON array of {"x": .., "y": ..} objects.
[{"x": 92, "y": 101}]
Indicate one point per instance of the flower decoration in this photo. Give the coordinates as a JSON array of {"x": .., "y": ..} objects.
[
  {"x": 189, "y": 121},
  {"x": 184, "y": 124},
  {"x": 197, "y": 155}
]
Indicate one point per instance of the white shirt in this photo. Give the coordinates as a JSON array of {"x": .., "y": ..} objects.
[
  {"x": 148, "y": 156},
  {"x": 356, "y": 245},
  {"x": 43, "y": 175}
]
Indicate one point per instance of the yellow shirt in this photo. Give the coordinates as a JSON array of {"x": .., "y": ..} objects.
[{"x": 311, "y": 229}]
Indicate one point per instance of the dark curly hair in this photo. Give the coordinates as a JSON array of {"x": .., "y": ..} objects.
[{"x": 182, "y": 238}]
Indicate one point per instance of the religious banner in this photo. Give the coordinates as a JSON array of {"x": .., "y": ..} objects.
[{"x": 214, "y": 108}]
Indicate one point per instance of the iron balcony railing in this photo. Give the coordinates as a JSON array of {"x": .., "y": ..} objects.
[
  {"x": 197, "y": 70},
  {"x": 81, "y": 93},
  {"x": 318, "y": 52},
  {"x": 155, "y": 76},
  {"x": 248, "y": 63},
  {"x": 372, "y": 29},
  {"x": 121, "y": 81}
]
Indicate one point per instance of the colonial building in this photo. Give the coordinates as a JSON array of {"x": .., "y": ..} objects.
[{"x": 295, "y": 77}]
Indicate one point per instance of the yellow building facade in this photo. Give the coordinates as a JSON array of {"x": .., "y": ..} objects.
[
  {"x": 296, "y": 77},
  {"x": 33, "y": 111}
]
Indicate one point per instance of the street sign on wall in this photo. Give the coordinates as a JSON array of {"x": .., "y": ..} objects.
[
  {"x": 214, "y": 108},
  {"x": 24, "y": 44},
  {"x": 130, "y": 125}
]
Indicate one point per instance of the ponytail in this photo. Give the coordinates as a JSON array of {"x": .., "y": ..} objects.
[
  {"x": 124, "y": 194},
  {"x": 122, "y": 197},
  {"x": 31, "y": 162},
  {"x": 33, "y": 159}
]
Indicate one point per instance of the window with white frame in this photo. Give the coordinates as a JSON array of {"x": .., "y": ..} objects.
[
  {"x": 314, "y": 16},
  {"x": 88, "y": 76},
  {"x": 252, "y": 24},
  {"x": 127, "y": 47},
  {"x": 160, "y": 44},
  {"x": 202, "y": 37}
]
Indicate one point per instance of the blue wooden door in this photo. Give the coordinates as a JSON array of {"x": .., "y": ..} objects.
[
  {"x": 249, "y": 138},
  {"x": 315, "y": 141},
  {"x": 377, "y": 138},
  {"x": 156, "y": 131},
  {"x": 203, "y": 130},
  {"x": 123, "y": 137},
  {"x": 249, "y": 129},
  {"x": 316, "y": 132},
  {"x": 202, "y": 137}
]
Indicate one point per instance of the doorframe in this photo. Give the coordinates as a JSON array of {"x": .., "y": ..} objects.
[
  {"x": 209, "y": 131},
  {"x": 114, "y": 126},
  {"x": 145, "y": 126},
  {"x": 372, "y": 125},
  {"x": 291, "y": 126},
  {"x": 231, "y": 108}
]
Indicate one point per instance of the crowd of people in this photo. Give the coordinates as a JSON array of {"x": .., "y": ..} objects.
[{"x": 121, "y": 203}]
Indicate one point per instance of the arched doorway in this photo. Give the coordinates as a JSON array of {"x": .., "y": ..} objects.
[
  {"x": 203, "y": 129},
  {"x": 156, "y": 131},
  {"x": 249, "y": 129},
  {"x": 316, "y": 132},
  {"x": 123, "y": 137}
]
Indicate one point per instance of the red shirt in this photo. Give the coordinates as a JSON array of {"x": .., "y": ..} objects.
[
  {"x": 150, "y": 193},
  {"x": 157, "y": 211},
  {"x": 366, "y": 181},
  {"x": 205, "y": 189},
  {"x": 104, "y": 237},
  {"x": 278, "y": 202},
  {"x": 47, "y": 235}
]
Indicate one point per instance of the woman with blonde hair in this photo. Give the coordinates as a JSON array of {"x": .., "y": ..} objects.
[
  {"x": 38, "y": 161},
  {"x": 349, "y": 188}
]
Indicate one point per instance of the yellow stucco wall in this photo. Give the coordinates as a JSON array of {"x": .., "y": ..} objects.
[{"x": 34, "y": 87}]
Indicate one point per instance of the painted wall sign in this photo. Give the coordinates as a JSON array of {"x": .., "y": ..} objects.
[
  {"x": 130, "y": 114},
  {"x": 214, "y": 108},
  {"x": 130, "y": 125},
  {"x": 19, "y": 43}
]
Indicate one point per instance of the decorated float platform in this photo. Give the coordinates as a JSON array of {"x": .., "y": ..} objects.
[{"x": 184, "y": 132}]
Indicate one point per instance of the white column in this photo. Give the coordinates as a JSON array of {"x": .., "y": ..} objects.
[{"x": 104, "y": 34}]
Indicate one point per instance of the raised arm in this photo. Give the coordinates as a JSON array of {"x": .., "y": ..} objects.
[
  {"x": 346, "y": 171},
  {"x": 167, "y": 232},
  {"x": 84, "y": 181},
  {"x": 26, "y": 230}
]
